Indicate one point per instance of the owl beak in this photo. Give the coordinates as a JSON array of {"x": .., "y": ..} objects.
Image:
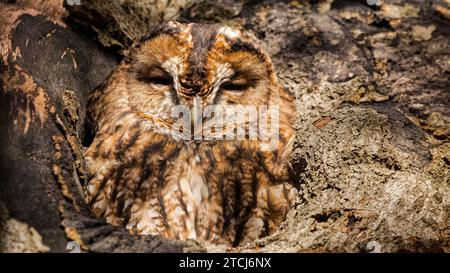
[{"x": 196, "y": 118}]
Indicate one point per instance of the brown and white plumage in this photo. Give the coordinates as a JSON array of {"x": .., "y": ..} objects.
[{"x": 220, "y": 191}]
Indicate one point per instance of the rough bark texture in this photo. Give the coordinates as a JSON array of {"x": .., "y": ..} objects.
[
  {"x": 119, "y": 23},
  {"x": 372, "y": 88}
]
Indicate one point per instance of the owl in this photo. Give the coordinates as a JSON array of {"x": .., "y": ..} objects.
[{"x": 182, "y": 146}]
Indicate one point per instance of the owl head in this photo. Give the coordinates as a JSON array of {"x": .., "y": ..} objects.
[{"x": 195, "y": 66}]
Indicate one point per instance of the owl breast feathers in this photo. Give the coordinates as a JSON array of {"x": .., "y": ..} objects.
[{"x": 192, "y": 136}]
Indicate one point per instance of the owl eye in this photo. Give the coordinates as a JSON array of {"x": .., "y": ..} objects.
[
  {"x": 156, "y": 77},
  {"x": 236, "y": 85},
  {"x": 159, "y": 80}
]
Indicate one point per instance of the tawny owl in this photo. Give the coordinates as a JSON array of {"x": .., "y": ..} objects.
[{"x": 164, "y": 159}]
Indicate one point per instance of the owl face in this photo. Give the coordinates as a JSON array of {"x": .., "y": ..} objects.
[{"x": 196, "y": 64}]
